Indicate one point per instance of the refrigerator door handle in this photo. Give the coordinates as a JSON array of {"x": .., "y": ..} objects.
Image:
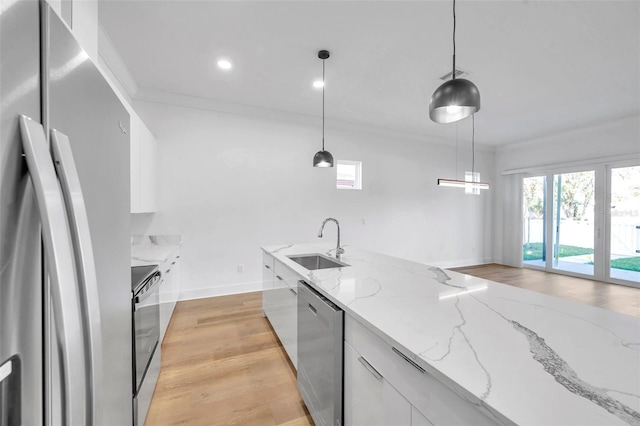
[
  {"x": 85, "y": 265},
  {"x": 10, "y": 392},
  {"x": 62, "y": 273}
]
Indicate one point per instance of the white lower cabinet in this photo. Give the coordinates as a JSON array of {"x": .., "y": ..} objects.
[
  {"x": 432, "y": 402},
  {"x": 169, "y": 290},
  {"x": 268, "y": 296},
  {"x": 418, "y": 419},
  {"x": 369, "y": 399},
  {"x": 280, "y": 306}
]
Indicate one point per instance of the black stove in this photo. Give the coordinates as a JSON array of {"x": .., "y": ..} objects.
[{"x": 140, "y": 273}]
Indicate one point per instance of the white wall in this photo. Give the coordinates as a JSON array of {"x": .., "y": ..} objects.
[
  {"x": 231, "y": 183},
  {"x": 620, "y": 138}
]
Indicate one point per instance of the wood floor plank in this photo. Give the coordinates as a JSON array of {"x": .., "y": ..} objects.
[
  {"x": 617, "y": 298},
  {"x": 222, "y": 364}
]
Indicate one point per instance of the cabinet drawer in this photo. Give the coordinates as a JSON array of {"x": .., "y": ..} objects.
[
  {"x": 369, "y": 399},
  {"x": 284, "y": 273},
  {"x": 268, "y": 260},
  {"x": 439, "y": 404}
]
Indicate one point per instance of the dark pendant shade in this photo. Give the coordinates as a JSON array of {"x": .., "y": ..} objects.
[
  {"x": 454, "y": 100},
  {"x": 323, "y": 159}
]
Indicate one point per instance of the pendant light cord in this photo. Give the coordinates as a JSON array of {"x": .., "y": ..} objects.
[
  {"x": 323, "y": 104},
  {"x": 473, "y": 144},
  {"x": 453, "y": 73},
  {"x": 457, "y": 125}
]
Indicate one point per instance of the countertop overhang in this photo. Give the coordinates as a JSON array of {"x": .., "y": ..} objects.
[
  {"x": 526, "y": 357},
  {"x": 153, "y": 249}
]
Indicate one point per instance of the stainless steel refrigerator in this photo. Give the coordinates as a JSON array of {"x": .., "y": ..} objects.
[{"x": 65, "y": 302}]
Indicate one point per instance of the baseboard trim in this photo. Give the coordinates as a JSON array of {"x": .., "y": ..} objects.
[
  {"x": 461, "y": 263},
  {"x": 224, "y": 290}
]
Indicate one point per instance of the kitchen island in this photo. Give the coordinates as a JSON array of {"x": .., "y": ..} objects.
[{"x": 517, "y": 356}]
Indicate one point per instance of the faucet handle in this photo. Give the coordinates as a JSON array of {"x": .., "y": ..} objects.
[{"x": 339, "y": 251}]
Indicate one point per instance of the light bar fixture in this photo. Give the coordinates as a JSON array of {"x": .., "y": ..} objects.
[
  {"x": 462, "y": 184},
  {"x": 472, "y": 183}
]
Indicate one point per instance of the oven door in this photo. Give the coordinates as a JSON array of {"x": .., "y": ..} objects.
[{"x": 146, "y": 322}]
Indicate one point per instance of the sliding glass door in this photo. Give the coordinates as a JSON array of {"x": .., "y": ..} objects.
[
  {"x": 624, "y": 224},
  {"x": 573, "y": 222},
  {"x": 534, "y": 236},
  {"x": 584, "y": 222}
]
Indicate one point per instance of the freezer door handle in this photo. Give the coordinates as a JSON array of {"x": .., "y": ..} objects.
[
  {"x": 60, "y": 260},
  {"x": 10, "y": 393},
  {"x": 85, "y": 265}
]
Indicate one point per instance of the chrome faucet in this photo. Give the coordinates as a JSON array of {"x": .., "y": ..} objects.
[{"x": 339, "y": 250}]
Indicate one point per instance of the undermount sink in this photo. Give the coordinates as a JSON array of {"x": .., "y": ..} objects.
[{"x": 316, "y": 261}]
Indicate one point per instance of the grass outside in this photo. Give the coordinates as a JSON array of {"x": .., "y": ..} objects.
[
  {"x": 533, "y": 251},
  {"x": 627, "y": 263}
]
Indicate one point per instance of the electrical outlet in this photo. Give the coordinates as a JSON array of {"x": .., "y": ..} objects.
[{"x": 240, "y": 269}]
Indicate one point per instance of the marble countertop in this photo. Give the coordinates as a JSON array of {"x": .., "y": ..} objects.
[
  {"x": 153, "y": 249},
  {"x": 527, "y": 357}
]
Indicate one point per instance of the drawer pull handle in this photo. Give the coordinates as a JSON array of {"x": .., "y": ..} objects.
[
  {"x": 313, "y": 310},
  {"x": 293, "y": 291},
  {"x": 370, "y": 368},
  {"x": 279, "y": 277},
  {"x": 410, "y": 361},
  {"x": 267, "y": 266}
]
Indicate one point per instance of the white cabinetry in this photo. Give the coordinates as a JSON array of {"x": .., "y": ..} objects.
[
  {"x": 369, "y": 399},
  {"x": 280, "y": 304},
  {"x": 169, "y": 290},
  {"x": 432, "y": 402},
  {"x": 144, "y": 159},
  {"x": 418, "y": 419}
]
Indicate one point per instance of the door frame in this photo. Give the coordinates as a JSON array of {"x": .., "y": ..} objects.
[{"x": 602, "y": 218}]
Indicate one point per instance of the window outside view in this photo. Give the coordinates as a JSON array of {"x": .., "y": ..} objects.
[
  {"x": 349, "y": 174},
  {"x": 573, "y": 207},
  {"x": 573, "y": 221},
  {"x": 534, "y": 244},
  {"x": 625, "y": 223}
]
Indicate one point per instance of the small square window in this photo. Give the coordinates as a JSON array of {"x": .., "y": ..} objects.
[{"x": 349, "y": 174}]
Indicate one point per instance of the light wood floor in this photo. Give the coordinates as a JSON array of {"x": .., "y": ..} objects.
[
  {"x": 222, "y": 364},
  {"x": 617, "y": 298}
]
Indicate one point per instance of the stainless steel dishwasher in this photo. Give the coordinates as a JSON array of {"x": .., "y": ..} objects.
[{"x": 320, "y": 348}]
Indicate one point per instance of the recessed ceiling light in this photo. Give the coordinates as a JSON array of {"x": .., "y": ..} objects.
[
  {"x": 224, "y": 64},
  {"x": 318, "y": 84}
]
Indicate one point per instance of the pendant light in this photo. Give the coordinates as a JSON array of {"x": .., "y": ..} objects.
[
  {"x": 457, "y": 98},
  {"x": 323, "y": 158},
  {"x": 473, "y": 185}
]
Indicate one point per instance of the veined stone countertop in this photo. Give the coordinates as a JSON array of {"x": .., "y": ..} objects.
[
  {"x": 153, "y": 249},
  {"x": 528, "y": 358}
]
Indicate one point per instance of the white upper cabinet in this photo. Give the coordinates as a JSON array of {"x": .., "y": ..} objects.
[{"x": 144, "y": 158}]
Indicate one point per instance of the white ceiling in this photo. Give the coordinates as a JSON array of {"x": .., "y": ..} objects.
[{"x": 542, "y": 67}]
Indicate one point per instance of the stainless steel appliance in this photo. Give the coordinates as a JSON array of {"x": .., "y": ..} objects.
[
  {"x": 145, "y": 305},
  {"x": 65, "y": 325},
  {"x": 320, "y": 355}
]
